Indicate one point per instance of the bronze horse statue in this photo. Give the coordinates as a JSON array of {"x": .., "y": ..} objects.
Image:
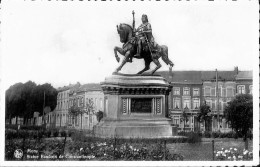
[{"x": 129, "y": 48}]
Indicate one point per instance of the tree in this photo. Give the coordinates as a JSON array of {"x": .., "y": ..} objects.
[
  {"x": 13, "y": 101},
  {"x": 24, "y": 99},
  {"x": 99, "y": 115},
  {"x": 90, "y": 110},
  {"x": 203, "y": 115},
  {"x": 75, "y": 110},
  {"x": 239, "y": 114},
  {"x": 184, "y": 118},
  {"x": 18, "y": 100}
]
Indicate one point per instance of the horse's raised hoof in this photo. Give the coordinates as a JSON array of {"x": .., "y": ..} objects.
[{"x": 117, "y": 59}]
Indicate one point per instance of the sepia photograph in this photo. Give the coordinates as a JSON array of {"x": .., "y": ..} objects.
[{"x": 129, "y": 83}]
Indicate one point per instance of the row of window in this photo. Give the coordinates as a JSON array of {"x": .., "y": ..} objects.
[
  {"x": 190, "y": 122},
  {"x": 211, "y": 91},
  {"x": 186, "y": 103},
  {"x": 62, "y": 105},
  {"x": 241, "y": 89},
  {"x": 80, "y": 102},
  {"x": 186, "y": 91},
  {"x": 63, "y": 95},
  {"x": 194, "y": 104}
]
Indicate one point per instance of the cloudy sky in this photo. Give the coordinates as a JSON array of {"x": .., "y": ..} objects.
[{"x": 66, "y": 42}]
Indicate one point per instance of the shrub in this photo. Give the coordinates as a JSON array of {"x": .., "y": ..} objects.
[
  {"x": 63, "y": 133},
  {"x": 216, "y": 134},
  {"x": 55, "y": 133},
  {"x": 229, "y": 135},
  {"x": 35, "y": 128},
  {"x": 235, "y": 135},
  {"x": 47, "y": 133},
  {"x": 223, "y": 135},
  {"x": 207, "y": 134},
  {"x": 193, "y": 137}
]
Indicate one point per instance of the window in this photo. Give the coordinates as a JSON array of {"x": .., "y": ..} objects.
[
  {"x": 219, "y": 91},
  {"x": 176, "y": 120},
  {"x": 196, "y": 103},
  {"x": 186, "y": 91},
  {"x": 176, "y": 91},
  {"x": 81, "y": 101},
  {"x": 86, "y": 101},
  {"x": 86, "y": 121},
  {"x": 196, "y": 91},
  {"x": 207, "y": 91},
  {"x": 251, "y": 89},
  {"x": 241, "y": 89},
  {"x": 78, "y": 100},
  {"x": 223, "y": 91},
  {"x": 77, "y": 120},
  {"x": 101, "y": 104},
  {"x": 209, "y": 102},
  {"x": 90, "y": 119},
  {"x": 220, "y": 106},
  {"x": 213, "y": 91},
  {"x": 186, "y": 103},
  {"x": 230, "y": 92},
  {"x": 224, "y": 105},
  {"x": 213, "y": 107},
  {"x": 176, "y": 103}
]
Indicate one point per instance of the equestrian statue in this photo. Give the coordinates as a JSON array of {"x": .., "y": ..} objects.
[{"x": 139, "y": 43}]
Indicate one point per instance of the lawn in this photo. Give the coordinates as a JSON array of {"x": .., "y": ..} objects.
[{"x": 203, "y": 151}]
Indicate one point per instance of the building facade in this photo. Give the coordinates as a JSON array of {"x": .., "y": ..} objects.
[
  {"x": 218, "y": 90},
  {"x": 191, "y": 89},
  {"x": 59, "y": 117},
  {"x": 87, "y": 96},
  {"x": 244, "y": 82},
  {"x": 185, "y": 98}
]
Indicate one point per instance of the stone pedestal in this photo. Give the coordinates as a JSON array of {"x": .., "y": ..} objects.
[{"x": 135, "y": 107}]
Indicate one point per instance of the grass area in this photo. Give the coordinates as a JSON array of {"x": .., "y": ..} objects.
[{"x": 203, "y": 151}]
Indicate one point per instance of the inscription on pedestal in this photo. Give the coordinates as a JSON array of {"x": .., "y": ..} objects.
[{"x": 141, "y": 105}]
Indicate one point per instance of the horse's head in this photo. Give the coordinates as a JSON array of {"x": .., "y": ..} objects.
[{"x": 124, "y": 30}]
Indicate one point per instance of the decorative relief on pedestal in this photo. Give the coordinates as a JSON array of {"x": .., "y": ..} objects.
[
  {"x": 126, "y": 102},
  {"x": 157, "y": 106}
]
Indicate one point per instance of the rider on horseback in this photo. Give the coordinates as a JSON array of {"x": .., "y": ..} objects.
[{"x": 143, "y": 33}]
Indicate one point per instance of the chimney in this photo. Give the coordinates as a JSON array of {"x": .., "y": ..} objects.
[{"x": 236, "y": 70}]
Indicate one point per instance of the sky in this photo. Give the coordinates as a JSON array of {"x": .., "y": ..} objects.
[{"x": 68, "y": 42}]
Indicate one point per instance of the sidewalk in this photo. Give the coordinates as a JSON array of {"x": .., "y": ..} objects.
[{"x": 220, "y": 139}]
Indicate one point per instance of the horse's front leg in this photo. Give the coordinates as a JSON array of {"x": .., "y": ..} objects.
[
  {"x": 124, "y": 61},
  {"x": 120, "y": 50}
]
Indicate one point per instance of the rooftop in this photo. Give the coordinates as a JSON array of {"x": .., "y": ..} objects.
[
  {"x": 244, "y": 75},
  {"x": 90, "y": 87},
  {"x": 197, "y": 77}
]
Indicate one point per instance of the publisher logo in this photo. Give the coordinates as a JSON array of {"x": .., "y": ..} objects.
[{"x": 18, "y": 153}]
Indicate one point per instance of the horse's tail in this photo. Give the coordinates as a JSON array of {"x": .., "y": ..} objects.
[{"x": 164, "y": 53}]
